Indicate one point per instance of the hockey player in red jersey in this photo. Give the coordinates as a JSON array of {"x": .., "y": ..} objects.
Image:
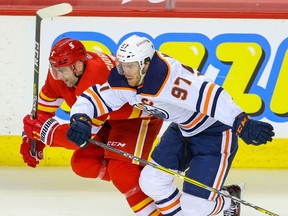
[
  {"x": 201, "y": 140},
  {"x": 72, "y": 70}
]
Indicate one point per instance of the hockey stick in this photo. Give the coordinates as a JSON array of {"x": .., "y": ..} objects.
[
  {"x": 189, "y": 180},
  {"x": 48, "y": 12}
]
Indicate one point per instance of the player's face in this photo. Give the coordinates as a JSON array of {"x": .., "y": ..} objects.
[
  {"x": 65, "y": 74},
  {"x": 132, "y": 73}
]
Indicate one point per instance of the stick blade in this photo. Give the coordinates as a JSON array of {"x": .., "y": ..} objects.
[{"x": 55, "y": 10}]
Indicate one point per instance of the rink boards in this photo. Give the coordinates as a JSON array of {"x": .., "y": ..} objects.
[{"x": 272, "y": 155}]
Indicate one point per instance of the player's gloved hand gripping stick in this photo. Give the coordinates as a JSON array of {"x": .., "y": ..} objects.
[{"x": 80, "y": 129}]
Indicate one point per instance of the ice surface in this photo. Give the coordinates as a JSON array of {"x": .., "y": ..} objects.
[{"x": 57, "y": 191}]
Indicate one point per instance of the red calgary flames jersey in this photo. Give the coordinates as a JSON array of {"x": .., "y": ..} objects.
[{"x": 135, "y": 135}]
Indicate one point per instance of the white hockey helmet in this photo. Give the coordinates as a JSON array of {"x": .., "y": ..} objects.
[{"x": 135, "y": 48}]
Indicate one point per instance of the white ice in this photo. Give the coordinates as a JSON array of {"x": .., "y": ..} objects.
[{"x": 57, "y": 191}]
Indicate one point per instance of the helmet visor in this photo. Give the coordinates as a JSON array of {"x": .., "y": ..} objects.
[
  {"x": 54, "y": 72},
  {"x": 119, "y": 67},
  {"x": 58, "y": 72},
  {"x": 127, "y": 66}
]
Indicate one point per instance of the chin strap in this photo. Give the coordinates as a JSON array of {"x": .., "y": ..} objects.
[
  {"x": 78, "y": 76},
  {"x": 141, "y": 75},
  {"x": 141, "y": 79}
]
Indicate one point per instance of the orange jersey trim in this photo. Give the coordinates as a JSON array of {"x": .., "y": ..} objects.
[
  {"x": 200, "y": 117},
  {"x": 99, "y": 104},
  {"x": 208, "y": 97}
]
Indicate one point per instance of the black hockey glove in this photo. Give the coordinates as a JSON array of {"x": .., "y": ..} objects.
[
  {"x": 252, "y": 131},
  {"x": 80, "y": 129}
]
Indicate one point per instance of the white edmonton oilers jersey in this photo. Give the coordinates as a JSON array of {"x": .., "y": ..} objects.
[{"x": 171, "y": 91}]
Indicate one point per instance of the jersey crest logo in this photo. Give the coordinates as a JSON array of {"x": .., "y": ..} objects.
[{"x": 155, "y": 111}]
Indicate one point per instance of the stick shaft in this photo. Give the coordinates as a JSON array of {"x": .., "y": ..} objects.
[
  {"x": 189, "y": 180},
  {"x": 48, "y": 12},
  {"x": 36, "y": 77}
]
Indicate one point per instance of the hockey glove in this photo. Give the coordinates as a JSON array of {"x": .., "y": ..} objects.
[
  {"x": 40, "y": 128},
  {"x": 80, "y": 129},
  {"x": 252, "y": 131},
  {"x": 30, "y": 160}
]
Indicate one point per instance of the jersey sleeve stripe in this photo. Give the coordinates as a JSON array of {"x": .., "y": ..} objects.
[
  {"x": 97, "y": 122},
  {"x": 193, "y": 122},
  {"x": 208, "y": 98},
  {"x": 90, "y": 100},
  {"x": 99, "y": 106},
  {"x": 99, "y": 96},
  {"x": 97, "y": 100},
  {"x": 190, "y": 119},
  {"x": 45, "y": 98},
  {"x": 50, "y": 102},
  {"x": 213, "y": 109},
  {"x": 201, "y": 93},
  {"x": 46, "y": 108},
  {"x": 196, "y": 126}
]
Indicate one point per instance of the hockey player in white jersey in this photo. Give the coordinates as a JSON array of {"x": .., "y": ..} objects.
[{"x": 202, "y": 139}]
